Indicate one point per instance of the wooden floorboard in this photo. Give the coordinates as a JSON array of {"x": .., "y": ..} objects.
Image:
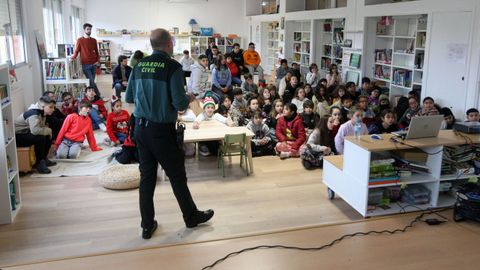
[{"x": 448, "y": 246}]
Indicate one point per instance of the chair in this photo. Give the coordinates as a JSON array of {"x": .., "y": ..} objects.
[{"x": 233, "y": 145}]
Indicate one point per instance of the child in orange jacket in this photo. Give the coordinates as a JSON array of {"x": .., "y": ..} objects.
[{"x": 252, "y": 61}]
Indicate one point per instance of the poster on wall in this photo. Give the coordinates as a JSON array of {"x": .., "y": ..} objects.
[{"x": 457, "y": 53}]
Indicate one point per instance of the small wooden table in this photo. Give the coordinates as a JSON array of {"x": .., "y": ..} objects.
[{"x": 216, "y": 131}]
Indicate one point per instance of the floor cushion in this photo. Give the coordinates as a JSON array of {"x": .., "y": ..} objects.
[{"x": 120, "y": 176}]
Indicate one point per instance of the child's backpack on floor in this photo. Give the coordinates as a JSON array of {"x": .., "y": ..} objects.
[{"x": 311, "y": 159}]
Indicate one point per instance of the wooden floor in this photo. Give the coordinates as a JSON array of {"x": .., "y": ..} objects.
[
  {"x": 444, "y": 247},
  {"x": 69, "y": 217}
]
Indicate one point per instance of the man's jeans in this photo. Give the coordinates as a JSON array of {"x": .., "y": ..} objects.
[{"x": 90, "y": 70}]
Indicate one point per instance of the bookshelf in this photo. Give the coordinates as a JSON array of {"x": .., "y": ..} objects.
[
  {"x": 351, "y": 65},
  {"x": 199, "y": 44},
  {"x": 350, "y": 175},
  {"x": 330, "y": 38},
  {"x": 270, "y": 45},
  {"x": 399, "y": 52},
  {"x": 64, "y": 75},
  {"x": 105, "y": 56},
  {"x": 10, "y": 195},
  {"x": 298, "y": 41}
]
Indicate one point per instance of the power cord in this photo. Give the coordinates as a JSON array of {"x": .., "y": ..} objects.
[{"x": 418, "y": 218}]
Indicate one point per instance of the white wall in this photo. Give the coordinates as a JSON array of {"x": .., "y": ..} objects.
[{"x": 225, "y": 16}]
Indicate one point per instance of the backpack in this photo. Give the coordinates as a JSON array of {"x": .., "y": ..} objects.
[{"x": 312, "y": 159}]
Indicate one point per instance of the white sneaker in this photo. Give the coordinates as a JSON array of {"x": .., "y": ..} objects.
[
  {"x": 284, "y": 155},
  {"x": 203, "y": 150},
  {"x": 102, "y": 127}
]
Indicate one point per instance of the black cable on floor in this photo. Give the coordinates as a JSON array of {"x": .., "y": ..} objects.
[{"x": 336, "y": 241}]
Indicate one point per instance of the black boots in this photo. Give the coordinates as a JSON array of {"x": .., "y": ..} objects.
[{"x": 198, "y": 218}]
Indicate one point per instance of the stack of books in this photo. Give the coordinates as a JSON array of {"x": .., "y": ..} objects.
[
  {"x": 416, "y": 194},
  {"x": 402, "y": 77},
  {"x": 459, "y": 159},
  {"x": 409, "y": 165},
  {"x": 383, "y": 172}
]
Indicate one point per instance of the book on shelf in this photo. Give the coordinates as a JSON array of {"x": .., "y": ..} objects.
[
  {"x": 306, "y": 47},
  {"x": 297, "y": 36},
  {"x": 402, "y": 77},
  {"x": 384, "y": 182},
  {"x": 337, "y": 52},
  {"x": 55, "y": 70},
  {"x": 383, "y": 56},
  {"x": 346, "y": 58},
  {"x": 382, "y": 161},
  {"x": 296, "y": 47},
  {"x": 355, "y": 60},
  {"x": 353, "y": 76},
  {"x": 3, "y": 92},
  {"x": 327, "y": 50},
  {"x": 327, "y": 27},
  {"x": 338, "y": 37}
]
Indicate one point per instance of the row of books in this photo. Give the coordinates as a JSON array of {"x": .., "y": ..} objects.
[
  {"x": 383, "y": 56},
  {"x": 382, "y": 72},
  {"x": 104, "y": 45},
  {"x": 14, "y": 200},
  {"x": 55, "y": 71},
  {"x": 383, "y": 172},
  {"x": 402, "y": 77},
  {"x": 3, "y": 91},
  {"x": 459, "y": 158},
  {"x": 338, "y": 36}
]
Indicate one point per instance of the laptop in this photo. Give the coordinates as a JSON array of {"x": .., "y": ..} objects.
[{"x": 422, "y": 127}]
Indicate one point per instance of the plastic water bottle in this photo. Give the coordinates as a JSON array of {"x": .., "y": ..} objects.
[{"x": 357, "y": 129}]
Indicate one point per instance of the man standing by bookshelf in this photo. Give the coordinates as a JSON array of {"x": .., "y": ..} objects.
[
  {"x": 89, "y": 56},
  {"x": 158, "y": 80}
]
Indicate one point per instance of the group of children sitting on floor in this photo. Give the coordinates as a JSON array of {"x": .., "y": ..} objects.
[
  {"x": 307, "y": 117},
  {"x": 44, "y": 126}
]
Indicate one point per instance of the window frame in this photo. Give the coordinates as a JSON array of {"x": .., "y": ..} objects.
[{"x": 10, "y": 37}]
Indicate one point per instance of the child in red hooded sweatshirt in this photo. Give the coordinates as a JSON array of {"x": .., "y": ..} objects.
[
  {"x": 117, "y": 124},
  {"x": 289, "y": 132},
  {"x": 234, "y": 70},
  {"x": 74, "y": 130}
]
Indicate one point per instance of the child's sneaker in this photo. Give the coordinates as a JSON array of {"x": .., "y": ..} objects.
[
  {"x": 284, "y": 155},
  {"x": 102, "y": 127}
]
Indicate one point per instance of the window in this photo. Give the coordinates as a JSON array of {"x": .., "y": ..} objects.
[
  {"x": 75, "y": 23},
  {"x": 12, "y": 43},
  {"x": 52, "y": 15}
]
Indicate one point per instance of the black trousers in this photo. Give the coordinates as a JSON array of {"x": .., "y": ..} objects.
[
  {"x": 157, "y": 143},
  {"x": 55, "y": 124},
  {"x": 127, "y": 155},
  {"x": 41, "y": 144}
]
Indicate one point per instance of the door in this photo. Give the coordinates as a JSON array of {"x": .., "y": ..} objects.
[{"x": 448, "y": 57}]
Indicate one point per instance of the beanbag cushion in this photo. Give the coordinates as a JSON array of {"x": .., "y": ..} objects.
[{"x": 120, "y": 176}]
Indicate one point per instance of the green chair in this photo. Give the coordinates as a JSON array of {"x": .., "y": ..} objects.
[{"x": 233, "y": 145}]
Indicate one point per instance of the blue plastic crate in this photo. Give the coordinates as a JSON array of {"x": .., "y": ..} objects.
[{"x": 206, "y": 31}]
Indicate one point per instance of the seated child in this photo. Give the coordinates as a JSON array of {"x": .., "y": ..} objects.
[
  {"x": 448, "y": 118},
  {"x": 30, "y": 129},
  {"x": 412, "y": 111},
  {"x": 55, "y": 120},
  {"x": 98, "y": 113},
  {"x": 289, "y": 132},
  {"x": 239, "y": 106},
  {"x": 74, "y": 130},
  {"x": 428, "y": 108},
  {"x": 473, "y": 115},
  {"x": 337, "y": 95},
  {"x": 334, "y": 122},
  {"x": 272, "y": 119},
  {"x": 369, "y": 115},
  {"x": 347, "y": 103},
  {"x": 317, "y": 146},
  {"x": 128, "y": 154},
  {"x": 373, "y": 98},
  {"x": 290, "y": 90},
  {"x": 310, "y": 118},
  {"x": 208, "y": 114},
  {"x": 265, "y": 100},
  {"x": 249, "y": 87},
  {"x": 252, "y": 108},
  {"x": 347, "y": 129},
  {"x": 262, "y": 144},
  {"x": 70, "y": 104},
  {"x": 383, "y": 104},
  {"x": 117, "y": 124},
  {"x": 299, "y": 99},
  {"x": 308, "y": 91},
  {"x": 234, "y": 70},
  {"x": 321, "y": 101},
  {"x": 387, "y": 124}
]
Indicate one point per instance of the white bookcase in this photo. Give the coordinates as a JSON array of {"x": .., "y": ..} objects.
[
  {"x": 199, "y": 44},
  {"x": 329, "y": 44},
  {"x": 10, "y": 195},
  {"x": 270, "y": 45},
  {"x": 64, "y": 75},
  {"x": 398, "y": 52},
  {"x": 298, "y": 43},
  {"x": 348, "y": 175}
]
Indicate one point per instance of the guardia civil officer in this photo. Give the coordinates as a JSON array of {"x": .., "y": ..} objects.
[{"x": 156, "y": 88}]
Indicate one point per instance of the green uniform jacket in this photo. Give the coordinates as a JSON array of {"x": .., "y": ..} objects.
[{"x": 156, "y": 87}]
